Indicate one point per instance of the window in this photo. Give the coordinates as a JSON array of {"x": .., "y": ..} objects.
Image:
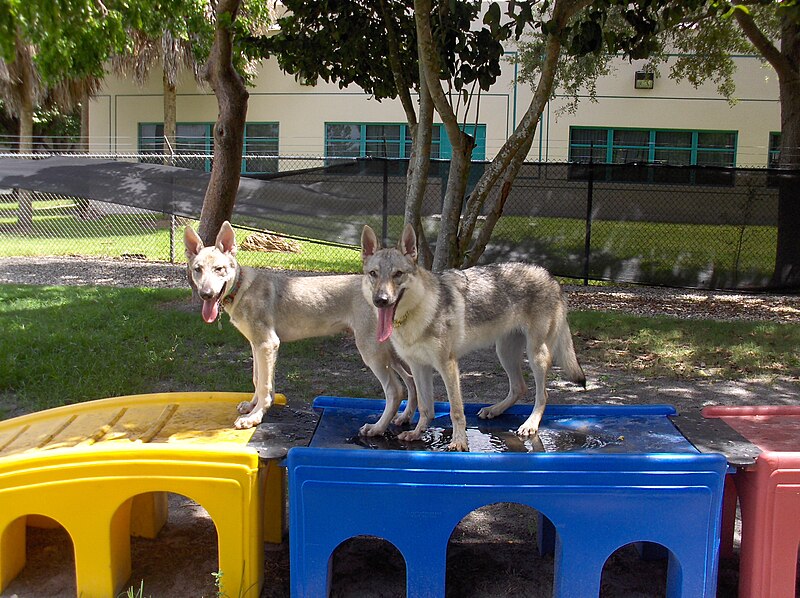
[
  {"x": 625, "y": 146},
  {"x": 197, "y": 140},
  {"x": 357, "y": 140},
  {"x": 190, "y": 138},
  {"x": 774, "y": 150},
  {"x": 260, "y": 141}
]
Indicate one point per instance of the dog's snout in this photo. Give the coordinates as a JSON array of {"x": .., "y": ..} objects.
[
  {"x": 206, "y": 294},
  {"x": 380, "y": 299}
]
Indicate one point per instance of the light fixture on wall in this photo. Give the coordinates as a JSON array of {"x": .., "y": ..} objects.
[{"x": 643, "y": 80}]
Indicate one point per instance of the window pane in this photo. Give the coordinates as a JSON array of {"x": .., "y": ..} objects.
[
  {"x": 343, "y": 140},
  {"x": 261, "y": 139},
  {"x": 716, "y": 140},
  {"x": 383, "y": 149},
  {"x": 383, "y": 141},
  {"x": 706, "y": 158},
  {"x": 388, "y": 132},
  {"x": 774, "y": 142},
  {"x": 673, "y": 156},
  {"x": 624, "y": 155},
  {"x": 193, "y": 139},
  {"x": 582, "y": 154},
  {"x": 151, "y": 137},
  {"x": 774, "y": 149},
  {"x": 673, "y": 139},
  {"x": 343, "y": 149},
  {"x": 588, "y": 136},
  {"x": 262, "y": 130},
  {"x": 262, "y": 147},
  {"x": 588, "y": 143},
  {"x": 640, "y": 138}
]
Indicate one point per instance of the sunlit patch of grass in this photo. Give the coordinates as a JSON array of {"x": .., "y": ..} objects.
[{"x": 694, "y": 349}]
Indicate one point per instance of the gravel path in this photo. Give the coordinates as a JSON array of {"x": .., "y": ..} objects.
[{"x": 720, "y": 305}]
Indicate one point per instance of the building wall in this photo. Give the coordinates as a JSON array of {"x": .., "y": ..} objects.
[{"x": 302, "y": 111}]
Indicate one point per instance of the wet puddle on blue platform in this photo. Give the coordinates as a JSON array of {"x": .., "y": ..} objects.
[{"x": 338, "y": 428}]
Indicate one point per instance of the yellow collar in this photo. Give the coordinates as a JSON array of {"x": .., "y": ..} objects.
[{"x": 401, "y": 321}]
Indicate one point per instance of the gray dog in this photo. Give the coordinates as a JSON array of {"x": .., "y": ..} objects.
[
  {"x": 434, "y": 319},
  {"x": 269, "y": 308}
]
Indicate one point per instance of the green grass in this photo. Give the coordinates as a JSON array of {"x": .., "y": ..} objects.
[
  {"x": 688, "y": 349},
  {"x": 669, "y": 253},
  {"x": 658, "y": 253},
  {"x": 146, "y": 237},
  {"x": 61, "y": 345}
]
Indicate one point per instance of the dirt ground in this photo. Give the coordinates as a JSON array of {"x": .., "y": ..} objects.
[{"x": 492, "y": 552}]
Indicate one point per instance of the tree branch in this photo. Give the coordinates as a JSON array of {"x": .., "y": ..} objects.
[
  {"x": 400, "y": 81},
  {"x": 563, "y": 11},
  {"x": 763, "y": 44}
]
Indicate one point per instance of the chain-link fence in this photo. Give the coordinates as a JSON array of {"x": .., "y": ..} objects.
[{"x": 678, "y": 226}]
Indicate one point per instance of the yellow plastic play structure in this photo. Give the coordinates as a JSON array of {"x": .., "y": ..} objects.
[{"x": 122, "y": 456}]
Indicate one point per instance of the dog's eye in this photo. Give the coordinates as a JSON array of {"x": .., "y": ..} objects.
[
  {"x": 373, "y": 274},
  {"x": 220, "y": 269},
  {"x": 397, "y": 274},
  {"x": 198, "y": 269}
]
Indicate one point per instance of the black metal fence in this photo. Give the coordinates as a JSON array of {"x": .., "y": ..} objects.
[
  {"x": 695, "y": 227},
  {"x": 679, "y": 226}
]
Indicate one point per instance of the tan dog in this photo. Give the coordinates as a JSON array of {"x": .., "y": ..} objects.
[
  {"x": 269, "y": 308},
  {"x": 433, "y": 319}
]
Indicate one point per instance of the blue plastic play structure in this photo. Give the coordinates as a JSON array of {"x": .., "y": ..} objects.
[{"x": 603, "y": 476}]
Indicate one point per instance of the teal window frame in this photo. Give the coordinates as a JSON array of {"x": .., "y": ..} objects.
[
  {"x": 774, "y": 155},
  {"x": 153, "y": 143},
  {"x": 362, "y": 139},
  {"x": 700, "y": 149}
]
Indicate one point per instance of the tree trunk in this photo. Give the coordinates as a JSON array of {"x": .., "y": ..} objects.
[
  {"x": 84, "y": 142},
  {"x": 473, "y": 254},
  {"x": 232, "y": 96},
  {"x": 26, "y": 107},
  {"x": 418, "y": 169},
  {"x": 462, "y": 144},
  {"x": 507, "y": 162},
  {"x": 787, "y": 252},
  {"x": 446, "y": 254},
  {"x": 786, "y": 62},
  {"x": 170, "y": 119}
]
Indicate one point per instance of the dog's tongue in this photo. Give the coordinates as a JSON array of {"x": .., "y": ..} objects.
[
  {"x": 210, "y": 310},
  {"x": 385, "y": 323}
]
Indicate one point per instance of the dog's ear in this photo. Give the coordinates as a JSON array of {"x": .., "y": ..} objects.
[
  {"x": 226, "y": 239},
  {"x": 192, "y": 242},
  {"x": 408, "y": 242},
  {"x": 369, "y": 243}
]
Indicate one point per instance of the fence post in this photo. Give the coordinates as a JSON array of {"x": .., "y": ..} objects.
[
  {"x": 385, "y": 223},
  {"x": 587, "y": 247},
  {"x": 172, "y": 222},
  {"x": 24, "y": 199}
]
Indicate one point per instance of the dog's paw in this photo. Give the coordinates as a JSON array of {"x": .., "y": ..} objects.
[
  {"x": 526, "y": 430},
  {"x": 245, "y": 407},
  {"x": 248, "y": 421},
  {"x": 402, "y": 419},
  {"x": 370, "y": 430},
  {"x": 487, "y": 413},
  {"x": 409, "y": 436},
  {"x": 458, "y": 444}
]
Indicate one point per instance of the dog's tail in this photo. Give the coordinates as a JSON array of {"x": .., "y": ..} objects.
[{"x": 564, "y": 353}]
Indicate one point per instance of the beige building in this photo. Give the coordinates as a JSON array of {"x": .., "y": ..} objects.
[{"x": 669, "y": 122}]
